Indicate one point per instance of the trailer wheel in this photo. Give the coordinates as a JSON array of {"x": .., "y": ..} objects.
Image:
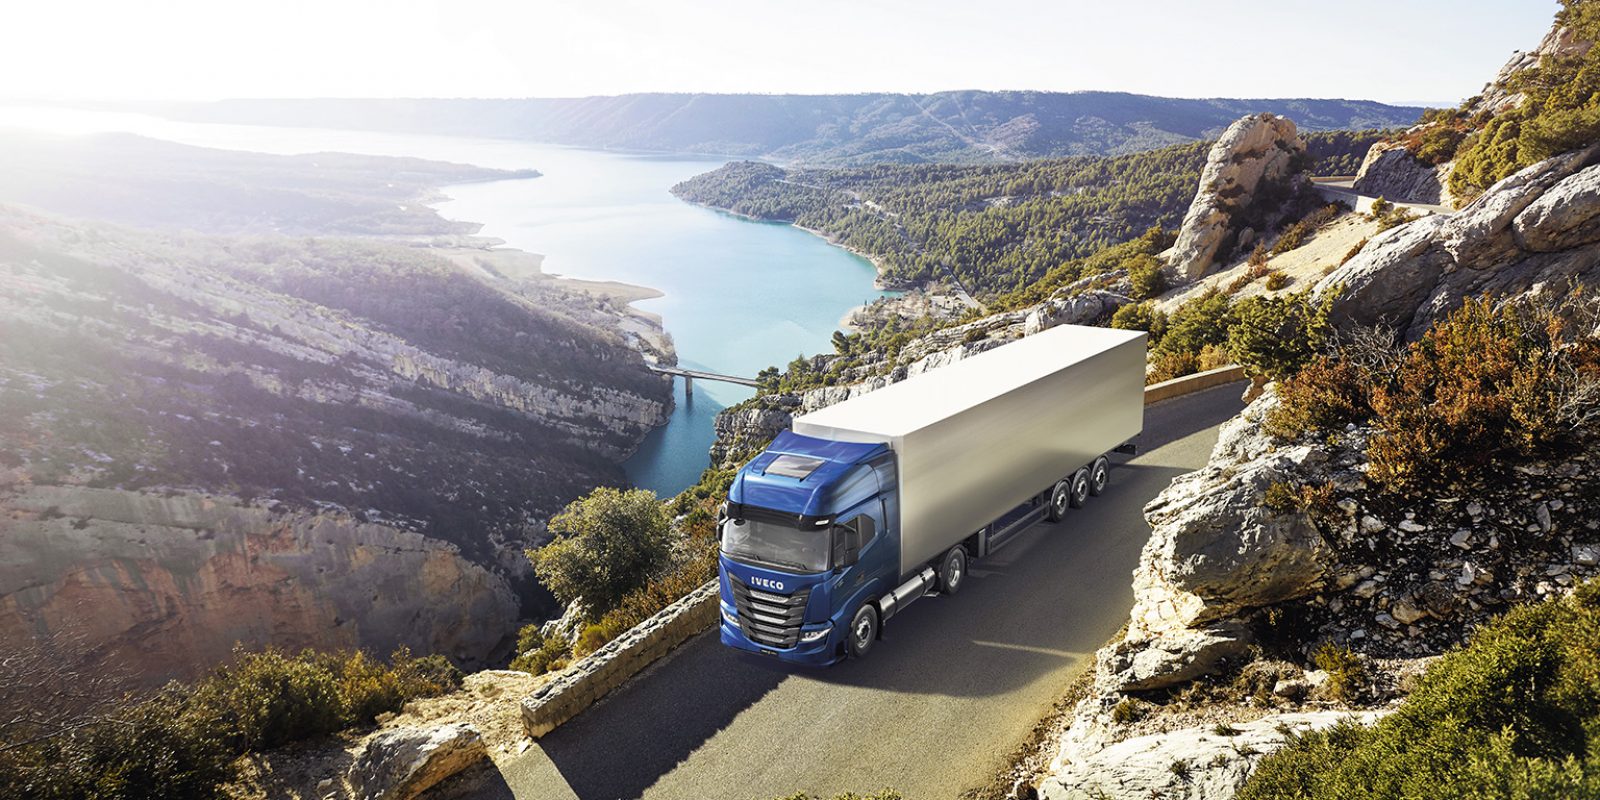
[
  {"x": 1099, "y": 475},
  {"x": 1060, "y": 499},
  {"x": 863, "y": 630},
  {"x": 953, "y": 570},
  {"x": 1080, "y": 489}
]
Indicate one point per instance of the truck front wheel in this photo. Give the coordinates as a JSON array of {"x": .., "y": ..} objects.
[{"x": 863, "y": 630}]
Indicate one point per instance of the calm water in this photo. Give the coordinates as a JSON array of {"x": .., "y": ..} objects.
[{"x": 739, "y": 295}]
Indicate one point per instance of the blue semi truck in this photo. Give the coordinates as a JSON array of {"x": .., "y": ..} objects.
[{"x": 874, "y": 502}]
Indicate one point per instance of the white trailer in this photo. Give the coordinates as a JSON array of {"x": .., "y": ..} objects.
[{"x": 1010, "y": 427}]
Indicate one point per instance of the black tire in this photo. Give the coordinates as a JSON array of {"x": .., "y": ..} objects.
[
  {"x": 1080, "y": 489},
  {"x": 863, "y": 631},
  {"x": 953, "y": 570},
  {"x": 1058, "y": 502},
  {"x": 1099, "y": 475}
]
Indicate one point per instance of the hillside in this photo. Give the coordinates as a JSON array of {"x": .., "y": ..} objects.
[
  {"x": 991, "y": 229},
  {"x": 964, "y": 126},
  {"x": 134, "y": 180}
]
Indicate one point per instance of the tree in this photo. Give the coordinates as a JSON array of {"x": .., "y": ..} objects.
[
  {"x": 1274, "y": 336},
  {"x": 607, "y": 544}
]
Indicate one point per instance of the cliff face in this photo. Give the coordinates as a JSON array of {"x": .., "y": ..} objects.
[
  {"x": 409, "y": 426},
  {"x": 1257, "y": 164},
  {"x": 160, "y": 586},
  {"x": 1390, "y": 171}
]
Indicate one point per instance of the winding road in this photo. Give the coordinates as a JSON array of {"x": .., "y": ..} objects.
[{"x": 957, "y": 683}]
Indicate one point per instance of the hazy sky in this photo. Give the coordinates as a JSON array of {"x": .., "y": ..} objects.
[{"x": 1394, "y": 50}]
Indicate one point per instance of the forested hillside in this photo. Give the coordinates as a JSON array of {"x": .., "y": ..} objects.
[
  {"x": 992, "y": 228},
  {"x": 964, "y": 126}
]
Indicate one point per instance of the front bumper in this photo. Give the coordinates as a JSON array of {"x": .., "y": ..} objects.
[{"x": 821, "y": 653}]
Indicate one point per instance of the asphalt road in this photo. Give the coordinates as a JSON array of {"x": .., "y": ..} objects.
[{"x": 957, "y": 683}]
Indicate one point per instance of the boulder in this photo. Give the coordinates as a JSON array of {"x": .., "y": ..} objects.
[
  {"x": 1565, "y": 217},
  {"x": 1256, "y": 161},
  {"x": 402, "y": 763},
  {"x": 1077, "y": 309},
  {"x": 1174, "y": 658}
]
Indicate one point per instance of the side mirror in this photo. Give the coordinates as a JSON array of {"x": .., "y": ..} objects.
[
  {"x": 722, "y": 514},
  {"x": 846, "y": 546}
]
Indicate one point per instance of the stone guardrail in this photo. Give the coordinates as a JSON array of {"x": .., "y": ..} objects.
[{"x": 597, "y": 674}]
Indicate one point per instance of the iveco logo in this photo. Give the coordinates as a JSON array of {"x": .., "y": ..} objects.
[{"x": 767, "y": 583}]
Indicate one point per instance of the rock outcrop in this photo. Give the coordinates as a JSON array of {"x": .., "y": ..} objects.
[
  {"x": 403, "y": 763},
  {"x": 1534, "y": 232},
  {"x": 1256, "y": 165},
  {"x": 1498, "y": 95},
  {"x": 1390, "y": 171},
  {"x": 161, "y": 586}
]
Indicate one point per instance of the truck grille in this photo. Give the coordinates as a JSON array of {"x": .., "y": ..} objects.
[{"x": 770, "y": 619}]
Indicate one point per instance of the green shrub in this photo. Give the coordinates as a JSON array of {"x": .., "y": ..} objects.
[
  {"x": 269, "y": 698},
  {"x": 1129, "y": 711},
  {"x": 1327, "y": 393},
  {"x": 1274, "y": 336},
  {"x": 548, "y": 656},
  {"x": 1347, "y": 675},
  {"x": 1144, "y": 272},
  {"x": 608, "y": 543},
  {"x": 1141, "y": 317},
  {"x": 1276, "y": 280},
  {"x": 1514, "y": 713}
]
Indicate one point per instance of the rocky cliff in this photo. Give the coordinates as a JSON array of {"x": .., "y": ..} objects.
[
  {"x": 1534, "y": 232},
  {"x": 356, "y": 441},
  {"x": 1392, "y": 172},
  {"x": 159, "y": 585},
  {"x": 1258, "y": 163}
]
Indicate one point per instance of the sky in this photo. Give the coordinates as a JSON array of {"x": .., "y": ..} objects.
[{"x": 1387, "y": 50}]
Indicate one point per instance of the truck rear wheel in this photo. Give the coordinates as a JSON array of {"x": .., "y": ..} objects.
[
  {"x": 1099, "y": 475},
  {"x": 1060, "y": 499},
  {"x": 1080, "y": 489},
  {"x": 953, "y": 570},
  {"x": 863, "y": 630}
]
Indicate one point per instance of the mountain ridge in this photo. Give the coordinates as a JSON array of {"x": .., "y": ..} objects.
[{"x": 967, "y": 126}]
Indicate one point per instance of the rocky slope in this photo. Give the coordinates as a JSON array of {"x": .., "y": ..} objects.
[
  {"x": 1234, "y": 595},
  {"x": 385, "y": 433},
  {"x": 1533, "y": 232},
  {"x": 1256, "y": 166}
]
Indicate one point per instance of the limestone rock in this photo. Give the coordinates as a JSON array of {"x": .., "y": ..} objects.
[
  {"x": 1531, "y": 233},
  {"x": 1565, "y": 217},
  {"x": 1185, "y": 764},
  {"x": 1253, "y": 163},
  {"x": 402, "y": 763},
  {"x": 1078, "y": 309},
  {"x": 1391, "y": 172},
  {"x": 1174, "y": 658}
]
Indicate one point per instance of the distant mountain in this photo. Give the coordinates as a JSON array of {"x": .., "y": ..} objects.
[{"x": 965, "y": 126}]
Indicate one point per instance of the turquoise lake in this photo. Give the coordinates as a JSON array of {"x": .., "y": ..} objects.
[{"x": 738, "y": 295}]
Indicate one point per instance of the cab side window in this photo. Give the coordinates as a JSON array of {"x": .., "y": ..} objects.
[{"x": 850, "y": 537}]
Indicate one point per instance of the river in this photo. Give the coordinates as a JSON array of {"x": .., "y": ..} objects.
[{"x": 738, "y": 295}]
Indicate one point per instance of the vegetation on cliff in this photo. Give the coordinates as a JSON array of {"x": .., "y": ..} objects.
[
  {"x": 1515, "y": 712},
  {"x": 182, "y": 742}
]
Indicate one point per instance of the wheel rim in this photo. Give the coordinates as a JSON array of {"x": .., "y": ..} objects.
[
  {"x": 955, "y": 572},
  {"x": 1081, "y": 490},
  {"x": 864, "y": 631},
  {"x": 1100, "y": 476},
  {"x": 1060, "y": 504}
]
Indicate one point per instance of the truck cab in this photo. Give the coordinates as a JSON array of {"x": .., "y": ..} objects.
[{"x": 809, "y": 535}]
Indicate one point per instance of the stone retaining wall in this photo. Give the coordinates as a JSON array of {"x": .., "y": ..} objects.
[
  {"x": 1189, "y": 384},
  {"x": 597, "y": 674}
]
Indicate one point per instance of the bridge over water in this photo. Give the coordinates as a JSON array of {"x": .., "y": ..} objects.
[{"x": 689, "y": 376}]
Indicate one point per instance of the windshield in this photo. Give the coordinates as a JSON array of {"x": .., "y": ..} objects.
[{"x": 776, "y": 544}]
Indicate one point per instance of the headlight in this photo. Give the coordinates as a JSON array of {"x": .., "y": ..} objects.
[
  {"x": 730, "y": 617},
  {"x": 812, "y": 636}
]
